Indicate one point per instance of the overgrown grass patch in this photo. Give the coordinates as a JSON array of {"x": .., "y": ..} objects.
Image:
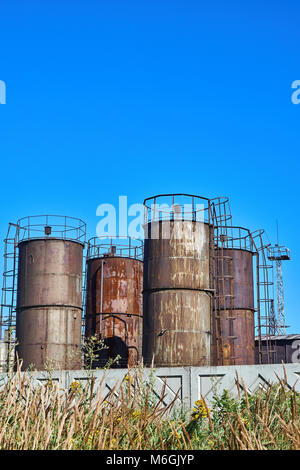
[{"x": 131, "y": 417}]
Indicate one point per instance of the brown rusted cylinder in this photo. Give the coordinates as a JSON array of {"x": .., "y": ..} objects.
[
  {"x": 114, "y": 307},
  {"x": 238, "y": 303},
  {"x": 49, "y": 304},
  {"x": 177, "y": 296}
]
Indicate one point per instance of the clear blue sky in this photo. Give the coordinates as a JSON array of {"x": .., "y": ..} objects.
[{"x": 109, "y": 98}]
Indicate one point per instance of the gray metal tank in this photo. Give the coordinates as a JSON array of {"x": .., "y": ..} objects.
[
  {"x": 49, "y": 299},
  {"x": 177, "y": 290}
]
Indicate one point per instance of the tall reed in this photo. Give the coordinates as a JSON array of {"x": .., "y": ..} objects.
[{"x": 131, "y": 416}]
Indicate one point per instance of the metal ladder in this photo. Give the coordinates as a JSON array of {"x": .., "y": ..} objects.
[
  {"x": 9, "y": 292},
  {"x": 266, "y": 322},
  {"x": 225, "y": 301},
  {"x": 222, "y": 291}
]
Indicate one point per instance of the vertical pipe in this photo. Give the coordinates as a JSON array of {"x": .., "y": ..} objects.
[
  {"x": 258, "y": 309},
  {"x": 101, "y": 289}
]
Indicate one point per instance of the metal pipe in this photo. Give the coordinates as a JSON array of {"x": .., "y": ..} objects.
[{"x": 101, "y": 288}]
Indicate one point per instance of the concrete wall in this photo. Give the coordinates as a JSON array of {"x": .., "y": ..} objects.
[
  {"x": 3, "y": 355},
  {"x": 189, "y": 382}
]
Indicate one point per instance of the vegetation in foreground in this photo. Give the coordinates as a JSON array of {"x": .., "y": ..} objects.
[{"x": 131, "y": 416}]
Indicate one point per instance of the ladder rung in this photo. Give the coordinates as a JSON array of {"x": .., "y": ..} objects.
[
  {"x": 225, "y": 276},
  {"x": 225, "y": 318},
  {"x": 265, "y": 283},
  {"x": 224, "y": 295}
]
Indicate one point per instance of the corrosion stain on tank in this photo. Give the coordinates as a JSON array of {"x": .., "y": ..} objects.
[{"x": 182, "y": 260}]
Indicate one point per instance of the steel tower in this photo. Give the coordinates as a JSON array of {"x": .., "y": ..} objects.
[{"x": 278, "y": 254}]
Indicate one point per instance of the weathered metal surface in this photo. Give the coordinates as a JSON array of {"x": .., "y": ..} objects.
[
  {"x": 114, "y": 307},
  {"x": 177, "y": 328},
  {"x": 177, "y": 303},
  {"x": 180, "y": 261},
  {"x": 236, "y": 307},
  {"x": 243, "y": 331},
  {"x": 242, "y": 273},
  {"x": 286, "y": 348},
  {"x": 49, "y": 303},
  {"x": 49, "y": 337}
]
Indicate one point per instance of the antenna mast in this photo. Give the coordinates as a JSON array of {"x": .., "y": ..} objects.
[{"x": 278, "y": 254}]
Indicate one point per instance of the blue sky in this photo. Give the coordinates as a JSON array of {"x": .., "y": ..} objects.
[{"x": 141, "y": 98}]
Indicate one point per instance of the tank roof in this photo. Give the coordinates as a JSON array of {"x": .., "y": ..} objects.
[{"x": 43, "y": 227}]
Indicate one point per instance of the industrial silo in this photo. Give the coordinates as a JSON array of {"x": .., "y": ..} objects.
[
  {"x": 177, "y": 281},
  {"x": 49, "y": 292},
  {"x": 234, "y": 306},
  {"x": 114, "y": 312}
]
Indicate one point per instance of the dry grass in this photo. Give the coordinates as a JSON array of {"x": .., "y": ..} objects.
[
  {"x": 46, "y": 417},
  {"x": 266, "y": 420},
  {"x": 131, "y": 417}
]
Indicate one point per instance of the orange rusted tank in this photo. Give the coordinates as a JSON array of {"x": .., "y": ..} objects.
[{"x": 114, "y": 300}]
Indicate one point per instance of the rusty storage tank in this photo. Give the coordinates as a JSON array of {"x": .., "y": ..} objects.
[
  {"x": 234, "y": 315},
  {"x": 114, "y": 311},
  {"x": 177, "y": 286},
  {"x": 49, "y": 293}
]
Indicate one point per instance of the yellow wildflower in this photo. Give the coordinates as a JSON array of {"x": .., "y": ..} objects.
[
  {"x": 76, "y": 387},
  {"x": 49, "y": 384},
  {"x": 113, "y": 444},
  {"x": 245, "y": 421},
  {"x": 128, "y": 378},
  {"x": 91, "y": 437},
  {"x": 200, "y": 410}
]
